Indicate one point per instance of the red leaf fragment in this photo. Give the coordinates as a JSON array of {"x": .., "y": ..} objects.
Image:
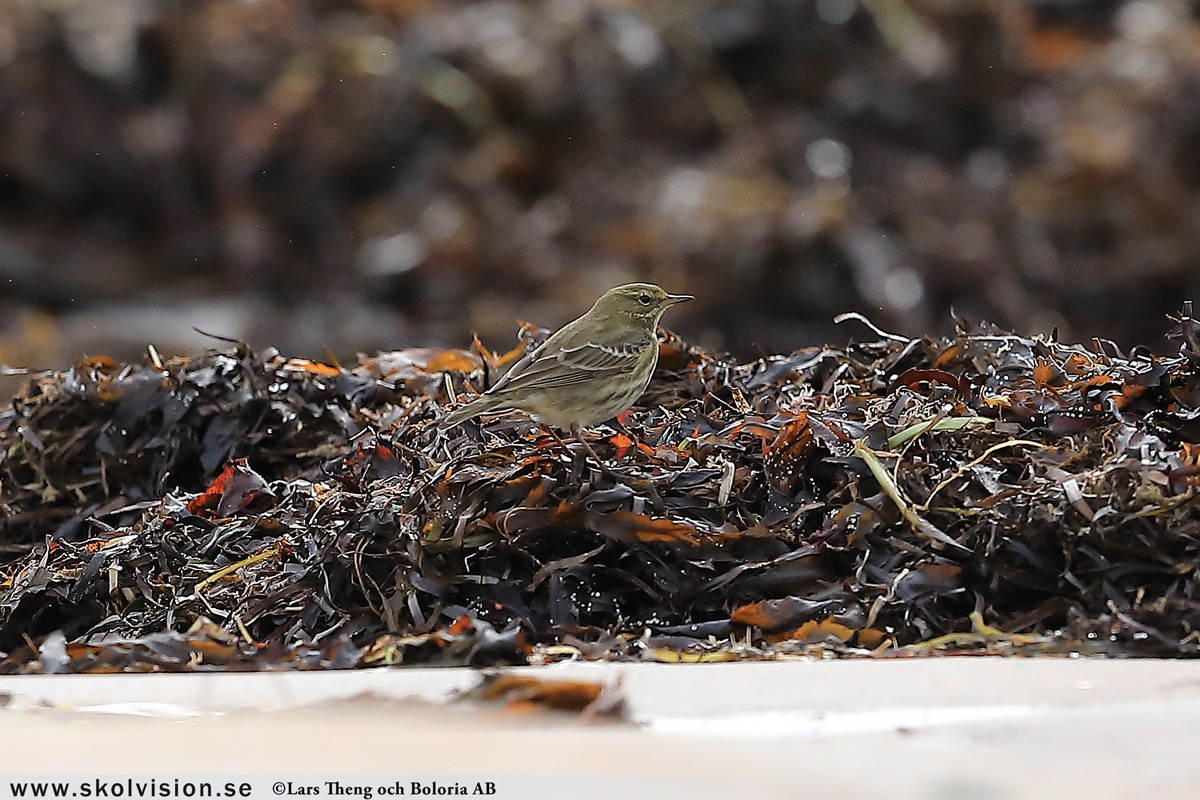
[
  {"x": 235, "y": 488},
  {"x": 622, "y": 443}
]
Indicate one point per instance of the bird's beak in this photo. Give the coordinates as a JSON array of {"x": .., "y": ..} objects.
[{"x": 672, "y": 299}]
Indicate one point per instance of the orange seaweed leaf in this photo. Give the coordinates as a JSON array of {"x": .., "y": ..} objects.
[
  {"x": 785, "y": 457},
  {"x": 452, "y": 361},
  {"x": 522, "y": 689},
  {"x": 623, "y": 444},
  {"x": 313, "y": 367},
  {"x": 815, "y": 630},
  {"x": 628, "y": 526}
]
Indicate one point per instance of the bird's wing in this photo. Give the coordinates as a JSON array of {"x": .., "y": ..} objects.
[
  {"x": 601, "y": 357},
  {"x": 567, "y": 366}
]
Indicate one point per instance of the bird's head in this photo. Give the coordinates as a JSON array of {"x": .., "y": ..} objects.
[{"x": 639, "y": 303}]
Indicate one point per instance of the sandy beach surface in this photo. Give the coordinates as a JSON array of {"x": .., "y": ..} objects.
[{"x": 923, "y": 728}]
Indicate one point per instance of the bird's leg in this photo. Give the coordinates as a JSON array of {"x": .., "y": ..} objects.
[
  {"x": 604, "y": 468},
  {"x": 579, "y": 438},
  {"x": 578, "y": 434},
  {"x": 547, "y": 429}
]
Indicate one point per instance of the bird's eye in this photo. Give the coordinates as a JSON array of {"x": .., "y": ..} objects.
[{"x": 644, "y": 299}]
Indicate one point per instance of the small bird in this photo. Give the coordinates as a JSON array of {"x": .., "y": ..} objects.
[{"x": 590, "y": 370}]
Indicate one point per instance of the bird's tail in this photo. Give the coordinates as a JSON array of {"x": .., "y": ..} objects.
[{"x": 480, "y": 405}]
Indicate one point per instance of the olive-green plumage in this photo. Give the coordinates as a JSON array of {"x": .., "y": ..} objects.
[{"x": 590, "y": 370}]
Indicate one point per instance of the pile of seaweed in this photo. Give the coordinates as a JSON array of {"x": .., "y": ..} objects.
[{"x": 986, "y": 492}]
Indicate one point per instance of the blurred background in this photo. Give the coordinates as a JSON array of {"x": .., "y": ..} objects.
[{"x": 367, "y": 174}]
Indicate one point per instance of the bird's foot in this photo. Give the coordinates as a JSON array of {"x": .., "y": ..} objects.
[
  {"x": 548, "y": 432},
  {"x": 577, "y": 433}
]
